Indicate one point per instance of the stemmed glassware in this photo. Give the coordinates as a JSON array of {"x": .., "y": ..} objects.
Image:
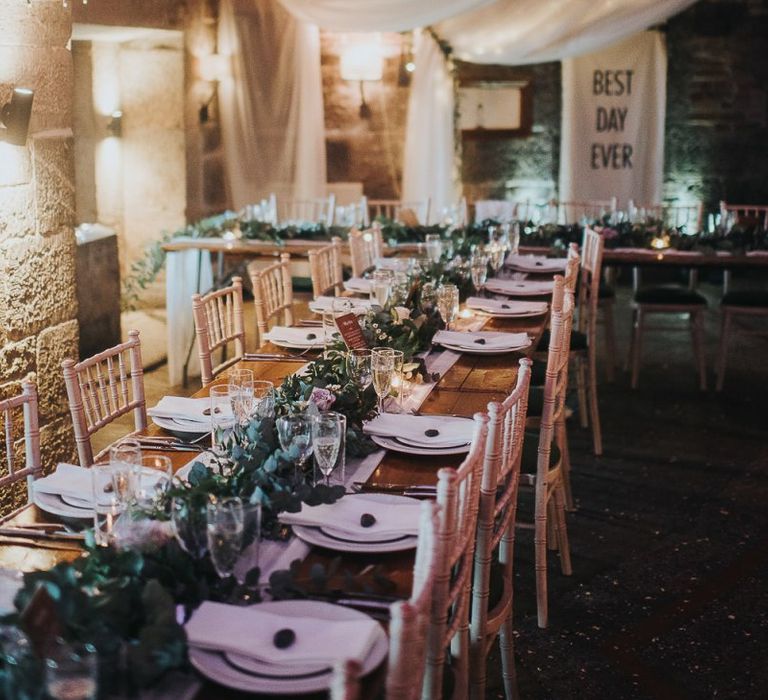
[
  {"x": 241, "y": 394},
  {"x": 381, "y": 287},
  {"x": 124, "y": 461},
  {"x": 479, "y": 268},
  {"x": 359, "y": 366},
  {"x": 224, "y": 533},
  {"x": 189, "y": 521},
  {"x": 295, "y": 433},
  {"x": 153, "y": 479},
  {"x": 263, "y": 399},
  {"x": 448, "y": 303},
  {"x": 222, "y": 415},
  {"x": 326, "y": 440},
  {"x": 383, "y": 366},
  {"x": 433, "y": 246}
]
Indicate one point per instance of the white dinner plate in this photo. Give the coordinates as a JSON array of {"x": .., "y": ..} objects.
[
  {"x": 501, "y": 313},
  {"x": 317, "y": 344},
  {"x": 521, "y": 289},
  {"x": 480, "y": 350},
  {"x": 51, "y": 503},
  {"x": 253, "y": 676},
  {"x": 183, "y": 429},
  {"x": 389, "y": 443}
]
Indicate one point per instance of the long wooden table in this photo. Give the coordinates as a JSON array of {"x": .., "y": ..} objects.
[{"x": 467, "y": 387}]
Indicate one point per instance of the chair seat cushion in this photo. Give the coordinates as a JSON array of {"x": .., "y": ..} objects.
[
  {"x": 531, "y": 453},
  {"x": 669, "y": 294},
  {"x": 538, "y": 373},
  {"x": 746, "y": 297},
  {"x": 578, "y": 341}
]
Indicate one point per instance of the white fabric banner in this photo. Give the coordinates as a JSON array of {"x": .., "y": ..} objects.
[{"x": 612, "y": 139}]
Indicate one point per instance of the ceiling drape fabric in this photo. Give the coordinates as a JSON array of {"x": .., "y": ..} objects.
[
  {"x": 272, "y": 105},
  {"x": 429, "y": 167}
]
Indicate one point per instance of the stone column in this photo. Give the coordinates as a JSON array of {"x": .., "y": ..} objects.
[{"x": 38, "y": 306}]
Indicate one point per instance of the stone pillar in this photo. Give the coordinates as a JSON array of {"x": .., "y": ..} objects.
[{"x": 38, "y": 303}]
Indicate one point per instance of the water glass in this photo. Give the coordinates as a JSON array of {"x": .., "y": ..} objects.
[
  {"x": 124, "y": 460},
  {"x": 448, "y": 303},
  {"x": 295, "y": 435},
  {"x": 72, "y": 672},
  {"x": 189, "y": 521},
  {"x": 359, "y": 367},
  {"x": 326, "y": 440},
  {"x": 222, "y": 416},
  {"x": 240, "y": 383},
  {"x": 224, "y": 532},
  {"x": 433, "y": 246},
  {"x": 107, "y": 504},
  {"x": 383, "y": 366},
  {"x": 153, "y": 479},
  {"x": 479, "y": 270},
  {"x": 264, "y": 399}
]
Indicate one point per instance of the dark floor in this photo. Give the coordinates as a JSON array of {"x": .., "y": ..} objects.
[{"x": 669, "y": 596}]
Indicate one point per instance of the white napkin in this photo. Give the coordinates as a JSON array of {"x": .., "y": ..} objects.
[
  {"x": 68, "y": 480},
  {"x": 296, "y": 336},
  {"x": 520, "y": 288},
  {"x": 453, "y": 431},
  {"x": 181, "y": 408},
  {"x": 250, "y": 631},
  {"x": 493, "y": 340},
  {"x": 392, "y": 519},
  {"x": 506, "y": 307},
  {"x": 358, "y": 285},
  {"x": 326, "y": 304},
  {"x": 535, "y": 263}
]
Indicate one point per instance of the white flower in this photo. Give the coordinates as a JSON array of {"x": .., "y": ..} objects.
[{"x": 402, "y": 312}]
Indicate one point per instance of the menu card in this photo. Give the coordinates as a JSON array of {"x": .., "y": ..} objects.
[{"x": 351, "y": 332}]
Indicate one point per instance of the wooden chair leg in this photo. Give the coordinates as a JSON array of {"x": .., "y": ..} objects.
[
  {"x": 637, "y": 346},
  {"x": 551, "y": 534},
  {"x": 725, "y": 329},
  {"x": 697, "y": 329},
  {"x": 540, "y": 547},
  {"x": 581, "y": 387},
  {"x": 562, "y": 532},
  {"x": 610, "y": 341},
  {"x": 594, "y": 415},
  {"x": 565, "y": 463},
  {"x": 507, "y": 649}
]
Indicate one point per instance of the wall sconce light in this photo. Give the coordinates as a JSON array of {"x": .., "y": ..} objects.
[
  {"x": 15, "y": 116},
  {"x": 407, "y": 65},
  {"x": 362, "y": 60},
  {"x": 212, "y": 68},
  {"x": 115, "y": 124}
]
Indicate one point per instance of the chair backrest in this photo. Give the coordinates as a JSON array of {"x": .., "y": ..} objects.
[
  {"x": 219, "y": 321},
  {"x": 296, "y": 211},
  {"x": 392, "y": 208},
  {"x": 503, "y": 210},
  {"x": 364, "y": 248},
  {"x": 592, "y": 210},
  {"x": 326, "y": 270},
  {"x": 498, "y": 500},
  {"x": 457, "y": 496},
  {"x": 22, "y": 406},
  {"x": 272, "y": 293},
  {"x": 687, "y": 216},
  {"x": 103, "y": 388},
  {"x": 353, "y": 214},
  {"x": 592, "y": 247},
  {"x": 749, "y": 214},
  {"x": 572, "y": 267}
]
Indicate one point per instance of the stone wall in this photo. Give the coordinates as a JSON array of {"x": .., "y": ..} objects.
[{"x": 38, "y": 306}]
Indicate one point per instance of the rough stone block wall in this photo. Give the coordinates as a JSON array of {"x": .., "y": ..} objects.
[{"x": 38, "y": 305}]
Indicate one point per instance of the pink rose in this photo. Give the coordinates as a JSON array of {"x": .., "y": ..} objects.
[{"x": 322, "y": 398}]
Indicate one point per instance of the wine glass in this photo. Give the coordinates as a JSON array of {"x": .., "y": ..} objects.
[
  {"x": 189, "y": 521},
  {"x": 153, "y": 480},
  {"x": 359, "y": 367},
  {"x": 124, "y": 460},
  {"x": 224, "y": 517},
  {"x": 448, "y": 303},
  {"x": 381, "y": 287},
  {"x": 222, "y": 416},
  {"x": 264, "y": 399},
  {"x": 479, "y": 268},
  {"x": 295, "y": 433},
  {"x": 434, "y": 247},
  {"x": 383, "y": 366},
  {"x": 241, "y": 394},
  {"x": 496, "y": 251},
  {"x": 326, "y": 439}
]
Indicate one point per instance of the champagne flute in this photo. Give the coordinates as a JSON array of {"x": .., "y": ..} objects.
[
  {"x": 448, "y": 303},
  {"x": 479, "y": 268},
  {"x": 434, "y": 247},
  {"x": 295, "y": 434},
  {"x": 224, "y": 517},
  {"x": 381, "y": 287},
  {"x": 124, "y": 460},
  {"x": 326, "y": 439},
  {"x": 264, "y": 399},
  {"x": 241, "y": 394},
  {"x": 189, "y": 521},
  {"x": 359, "y": 366},
  {"x": 222, "y": 416},
  {"x": 383, "y": 366}
]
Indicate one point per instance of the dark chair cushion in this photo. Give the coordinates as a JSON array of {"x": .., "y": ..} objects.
[
  {"x": 538, "y": 373},
  {"x": 302, "y": 284},
  {"x": 536, "y": 401},
  {"x": 531, "y": 453},
  {"x": 606, "y": 292},
  {"x": 669, "y": 294},
  {"x": 578, "y": 341},
  {"x": 746, "y": 297}
]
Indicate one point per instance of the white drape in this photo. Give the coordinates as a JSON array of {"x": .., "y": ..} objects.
[
  {"x": 378, "y": 15},
  {"x": 614, "y": 103},
  {"x": 272, "y": 105},
  {"x": 429, "y": 169}
]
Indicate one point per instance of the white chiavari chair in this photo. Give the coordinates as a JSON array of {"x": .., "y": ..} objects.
[
  {"x": 353, "y": 214},
  {"x": 503, "y": 210},
  {"x": 272, "y": 294},
  {"x": 103, "y": 388},
  {"x": 496, "y": 534},
  {"x": 297, "y": 211},
  {"x": 744, "y": 214},
  {"x": 737, "y": 306},
  {"x": 325, "y": 268},
  {"x": 408, "y": 213},
  {"x": 25, "y": 404},
  {"x": 364, "y": 248},
  {"x": 218, "y": 322},
  {"x": 458, "y": 492},
  {"x": 592, "y": 210},
  {"x": 684, "y": 216},
  {"x": 551, "y": 459}
]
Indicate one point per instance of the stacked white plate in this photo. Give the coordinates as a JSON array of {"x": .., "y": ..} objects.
[
  {"x": 185, "y": 417},
  {"x": 507, "y": 308},
  {"x": 482, "y": 342},
  {"x": 520, "y": 288},
  {"x": 358, "y": 285},
  {"x": 421, "y": 435},
  {"x": 321, "y": 304},
  {"x": 296, "y": 338},
  {"x": 535, "y": 263}
]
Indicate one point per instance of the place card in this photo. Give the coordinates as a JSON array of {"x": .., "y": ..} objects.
[{"x": 351, "y": 332}]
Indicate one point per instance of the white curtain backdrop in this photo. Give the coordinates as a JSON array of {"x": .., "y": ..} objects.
[
  {"x": 378, "y": 15},
  {"x": 613, "y": 144},
  {"x": 272, "y": 105},
  {"x": 429, "y": 168}
]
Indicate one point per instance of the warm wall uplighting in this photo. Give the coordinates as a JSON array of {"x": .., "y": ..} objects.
[
  {"x": 214, "y": 67},
  {"x": 15, "y": 116},
  {"x": 362, "y": 59}
]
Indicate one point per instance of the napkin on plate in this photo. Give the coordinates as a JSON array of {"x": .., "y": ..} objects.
[
  {"x": 452, "y": 431},
  {"x": 520, "y": 288},
  {"x": 392, "y": 519},
  {"x": 68, "y": 480},
  {"x": 358, "y": 284},
  {"x": 181, "y": 408},
  {"x": 307, "y": 337},
  {"x": 326, "y": 304},
  {"x": 492, "y": 340},
  {"x": 535, "y": 263},
  {"x": 506, "y": 307},
  {"x": 251, "y": 631}
]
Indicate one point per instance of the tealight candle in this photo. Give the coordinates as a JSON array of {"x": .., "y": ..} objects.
[{"x": 466, "y": 313}]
